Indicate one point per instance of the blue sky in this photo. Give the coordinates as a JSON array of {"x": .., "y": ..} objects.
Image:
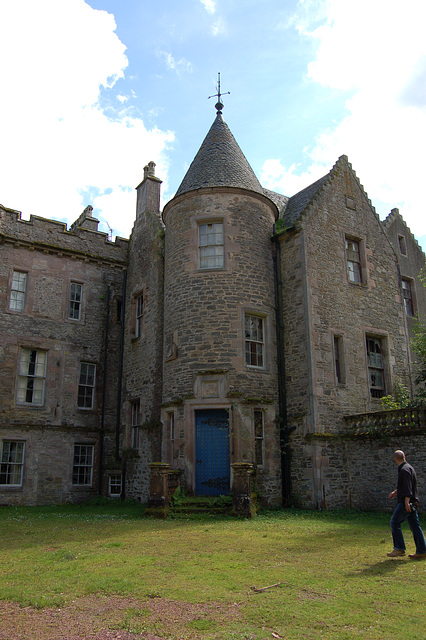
[{"x": 95, "y": 89}]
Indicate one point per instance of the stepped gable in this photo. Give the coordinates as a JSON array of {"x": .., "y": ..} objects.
[
  {"x": 299, "y": 203},
  {"x": 219, "y": 163},
  {"x": 391, "y": 217}
]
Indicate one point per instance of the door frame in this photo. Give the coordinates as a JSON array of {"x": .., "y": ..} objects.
[{"x": 227, "y": 411}]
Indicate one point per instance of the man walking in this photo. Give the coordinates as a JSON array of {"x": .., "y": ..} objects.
[{"x": 406, "y": 509}]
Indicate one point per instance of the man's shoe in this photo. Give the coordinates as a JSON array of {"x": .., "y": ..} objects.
[
  {"x": 396, "y": 552},
  {"x": 417, "y": 556}
]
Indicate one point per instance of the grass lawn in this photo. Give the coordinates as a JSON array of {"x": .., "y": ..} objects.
[{"x": 333, "y": 577}]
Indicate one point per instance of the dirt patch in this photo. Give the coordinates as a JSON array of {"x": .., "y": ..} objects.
[{"x": 114, "y": 618}]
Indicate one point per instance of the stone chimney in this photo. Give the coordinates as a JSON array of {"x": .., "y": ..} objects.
[
  {"x": 148, "y": 192},
  {"x": 85, "y": 221}
]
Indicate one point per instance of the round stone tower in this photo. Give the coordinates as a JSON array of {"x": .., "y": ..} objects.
[{"x": 220, "y": 377}]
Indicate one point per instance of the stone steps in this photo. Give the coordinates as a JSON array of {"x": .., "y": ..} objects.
[{"x": 221, "y": 505}]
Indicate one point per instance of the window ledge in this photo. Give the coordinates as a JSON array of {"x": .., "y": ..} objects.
[
  {"x": 15, "y": 312},
  {"x": 82, "y": 487},
  {"x": 11, "y": 487},
  {"x": 29, "y": 405}
]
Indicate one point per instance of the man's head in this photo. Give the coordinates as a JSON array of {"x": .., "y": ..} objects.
[{"x": 399, "y": 456}]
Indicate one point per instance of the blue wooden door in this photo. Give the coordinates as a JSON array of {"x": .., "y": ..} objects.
[{"x": 212, "y": 452}]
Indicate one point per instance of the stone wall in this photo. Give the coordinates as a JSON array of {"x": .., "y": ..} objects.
[
  {"x": 411, "y": 260},
  {"x": 204, "y": 309},
  {"x": 296, "y": 332},
  {"x": 48, "y": 465},
  {"x": 143, "y": 353},
  {"x": 357, "y": 473}
]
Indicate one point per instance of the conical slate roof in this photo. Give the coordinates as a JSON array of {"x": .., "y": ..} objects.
[{"x": 219, "y": 163}]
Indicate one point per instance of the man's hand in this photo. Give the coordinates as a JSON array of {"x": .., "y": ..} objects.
[
  {"x": 407, "y": 504},
  {"x": 392, "y": 495}
]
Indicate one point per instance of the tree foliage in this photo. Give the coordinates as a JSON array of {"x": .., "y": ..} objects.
[{"x": 400, "y": 398}]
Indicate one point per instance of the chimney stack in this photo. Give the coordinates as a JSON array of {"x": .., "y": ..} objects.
[{"x": 148, "y": 192}]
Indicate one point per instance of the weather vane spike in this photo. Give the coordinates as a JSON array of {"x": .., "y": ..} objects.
[{"x": 218, "y": 95}]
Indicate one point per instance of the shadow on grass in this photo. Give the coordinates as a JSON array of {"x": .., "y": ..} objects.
[{"x": 382, "y": 568}]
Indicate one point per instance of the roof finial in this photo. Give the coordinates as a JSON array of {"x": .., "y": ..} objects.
[{"x": 219, "y": 103}]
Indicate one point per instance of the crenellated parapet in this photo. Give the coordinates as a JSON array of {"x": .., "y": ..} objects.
[{"x": 81, "y": 241}]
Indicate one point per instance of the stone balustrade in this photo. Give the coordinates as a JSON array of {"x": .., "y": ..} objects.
[{"x": 409, "y": 419}]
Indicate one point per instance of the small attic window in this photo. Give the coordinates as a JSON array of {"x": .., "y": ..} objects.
[
  {"x": 350, "y": 203},
  {"x": 402, "y": 245}
]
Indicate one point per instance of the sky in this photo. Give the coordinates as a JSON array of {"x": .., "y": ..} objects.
[{"x": 91, "y": 91}]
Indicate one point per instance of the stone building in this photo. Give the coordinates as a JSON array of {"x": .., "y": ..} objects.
[
  {"x": 238, "y": 328},
  {"x": 60, "y": 297}
]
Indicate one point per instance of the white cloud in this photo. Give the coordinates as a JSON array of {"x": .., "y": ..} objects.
[
  {"x": 209, "y": 5},
  {"x": 289, "y": 181},
  {"x": 57, "y": 142},
  {"x": 376, "y": 50},
  {"x": 218, "y": 27},
  {"x": 176, "y": 65}
]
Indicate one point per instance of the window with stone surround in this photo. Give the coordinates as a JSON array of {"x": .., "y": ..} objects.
[
  {"x": 17, "y": 291},
  {"x": 402, "y": 245},
  {"x": 135, "y": 423},
  {"x": 171, "y": 424},
  {"x": 376, "y": 365},
  {"x": 86, "y": 385},
  {"x": 259, "y": 437},
  {"x": 254, "y": 341},
  {"x": 210, "y": 245},
  {"x": 12, "y": 463},
  {"x": 75, "y": 301},
  {"x": 407, "y": 292},
  {"x": 82, "y": 471},
  {"x": 31, "y": 376},
  {"x": 114, "y": 485},
  {"x": 353, "y": 260},
  {"x": 171, "y": 436}
]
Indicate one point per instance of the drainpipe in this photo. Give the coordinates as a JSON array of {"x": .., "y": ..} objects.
[
  {"x": 104, "y": 384},
  {"x": 285, "y": 430},
  {"x": 120, "y": 372}
]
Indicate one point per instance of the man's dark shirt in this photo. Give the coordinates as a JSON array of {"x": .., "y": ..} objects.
[{"x": 407, "y": 482}]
